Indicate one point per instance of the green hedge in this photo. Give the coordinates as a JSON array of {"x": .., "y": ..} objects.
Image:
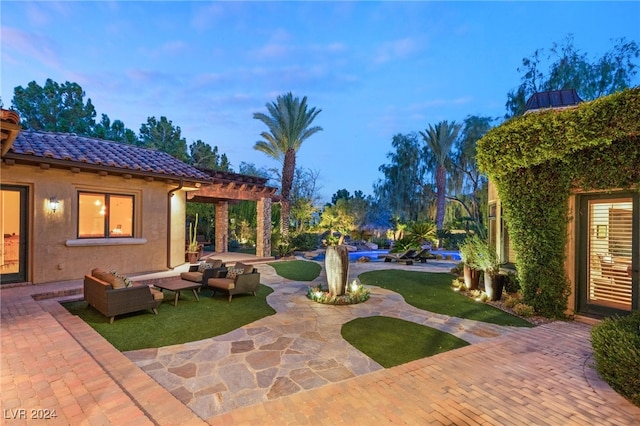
[
  {"x": 536, "y": 160},
  {"x": 616, "y": 347}
]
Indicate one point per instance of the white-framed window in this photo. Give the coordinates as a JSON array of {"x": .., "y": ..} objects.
[{"x": 105, "y": 215}]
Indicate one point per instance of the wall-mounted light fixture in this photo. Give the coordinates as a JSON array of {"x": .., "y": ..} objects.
[{"x": 54, "y": 204}]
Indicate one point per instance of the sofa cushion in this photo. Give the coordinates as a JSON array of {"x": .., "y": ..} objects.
[
  {"x": 221, "y": 283},
  {"x": 105, "y": 276},
  {"x": 157, "y": 294},
  {"x": 247, "y": 269},
  {"x": 196, "y": 277},
  {"x": 215, "y": 263}
]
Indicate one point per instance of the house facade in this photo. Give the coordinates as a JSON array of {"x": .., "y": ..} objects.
[
  {"x": 602, "y": 242},
  {"x": 70, "y": 203}
]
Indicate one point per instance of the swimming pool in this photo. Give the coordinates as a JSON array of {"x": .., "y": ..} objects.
[
  {"x": 374, "y": 255},
  {"x": 355, "y": 255}
]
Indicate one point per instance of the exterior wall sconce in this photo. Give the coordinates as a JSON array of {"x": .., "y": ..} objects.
[{"x": 54, "y": 204}]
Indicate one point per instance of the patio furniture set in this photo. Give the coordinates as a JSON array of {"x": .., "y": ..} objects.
[
  {"x": 409, "y": 256},
  {"x": 112, "y": 294}
]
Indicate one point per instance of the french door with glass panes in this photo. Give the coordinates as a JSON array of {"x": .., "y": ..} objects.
[
  {"x": 13, "y": 233},
  {"x": 608, "y": 254}
]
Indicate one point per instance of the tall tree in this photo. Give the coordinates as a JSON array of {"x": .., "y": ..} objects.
[
  {"x": 403, "y": 189},
  {"x": 469, "y": 183},
  {"x": 204, "y": 156},
  {"x": 569, "y": 68},
  {"x": 439, "y": 140},
  {"x": 163, "y": 136},
  {"x": 115, "y": 131},
  {"x": 289, "y": 125},
  {"x": 54, "y": 108}
]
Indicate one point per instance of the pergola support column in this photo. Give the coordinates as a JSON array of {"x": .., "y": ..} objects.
[
  {"x": 263, "y": 238},
  {"x": 222, "y": 226}
]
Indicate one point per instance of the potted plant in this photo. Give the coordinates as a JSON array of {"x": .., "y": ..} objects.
[
  {"x": 468, "y": 253},
  {"x": 193, "y": 247},
  {"x": 338, "y": 222},
  {"x": 487, "y": 260}
]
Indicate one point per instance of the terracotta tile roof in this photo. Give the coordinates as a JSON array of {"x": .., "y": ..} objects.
[{"x": 85, "y": 151}]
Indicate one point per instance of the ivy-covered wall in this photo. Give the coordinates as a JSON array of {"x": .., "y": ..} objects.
[{"x": 536, "y": 160}]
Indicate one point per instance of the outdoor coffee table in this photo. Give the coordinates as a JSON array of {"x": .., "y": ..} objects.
[{"x": 179, "y": 285}]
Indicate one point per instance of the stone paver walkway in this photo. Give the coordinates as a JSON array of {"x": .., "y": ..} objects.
[
  {"x": 293, "y": 368},
  {"x": 298, "y": 349}
]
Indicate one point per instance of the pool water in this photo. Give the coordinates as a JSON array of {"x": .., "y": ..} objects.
[
  {"x": 355, "y": 255},
  {"x": 374, "y": 255}
]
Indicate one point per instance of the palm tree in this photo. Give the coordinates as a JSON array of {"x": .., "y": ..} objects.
[
  {"x": 289, "y": 124},
  {"x": 439, "y": 140}
]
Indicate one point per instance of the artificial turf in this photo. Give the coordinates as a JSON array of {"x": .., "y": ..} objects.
[
  {"x": 297, "y": 270},
  {"x": 432, "y": 292},
  {"x": 189, "y": 321},
  {"x": 393, "y": 341}
]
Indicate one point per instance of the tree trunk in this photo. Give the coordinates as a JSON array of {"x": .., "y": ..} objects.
[
  {"x": 441, "y": 185},
  {"x": 288, "y": 171},
  {"x": 336, "y": 263}
]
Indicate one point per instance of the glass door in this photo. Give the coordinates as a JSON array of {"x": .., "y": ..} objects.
[
  {"x": 609, "y": 250},
  {"x": 13, "y": 233}
]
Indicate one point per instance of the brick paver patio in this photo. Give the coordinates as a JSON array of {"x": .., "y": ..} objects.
[{"x": 51, "y": 360}]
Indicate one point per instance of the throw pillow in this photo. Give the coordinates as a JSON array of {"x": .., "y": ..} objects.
[
  {"x": 204, "y": 265},
  {"x": 215, "y": 263},
  {"x": 234, "y": 272},
  {"x": 120, "y": 280},
  {"x": 246, "y": 268}
]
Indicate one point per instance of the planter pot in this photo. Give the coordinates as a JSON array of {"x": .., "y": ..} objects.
[
  {"x": 471, "y": 277},
  {"x": 193, "y": 257},
  {"x": 336, "y": 263},
  {"x": 493, "y": 285}
]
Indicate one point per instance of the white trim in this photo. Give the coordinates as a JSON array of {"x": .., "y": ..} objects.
[{"x": 88, "y": 242}]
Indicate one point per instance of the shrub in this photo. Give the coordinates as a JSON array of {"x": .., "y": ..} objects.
[
  {"x": 383, "y": 243},
  {"x": 512, "y": 301},
  {"x": 458, "y": 269},
  {"x": 523, "y": 310},
  {"x": 305, "y": 241},
  {"x": 234, "y": 245},
  {"x": 511, "y": 283},
  {"x": 616, "y": 348}
]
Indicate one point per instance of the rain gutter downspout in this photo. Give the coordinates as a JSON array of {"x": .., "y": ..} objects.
[{"x": 170, "y": 194}]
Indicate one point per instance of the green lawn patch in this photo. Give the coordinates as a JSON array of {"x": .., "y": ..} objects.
[
  {"x": 432, "y": 292},
  {"x": 189, "y": 321},
  {"x": 391, "y": 341},
  {"x": 297, "y": 270}
]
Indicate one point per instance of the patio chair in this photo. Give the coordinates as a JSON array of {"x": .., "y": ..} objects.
[
  {"x": 241, "y": 278},
  {"x": 422, "y": 256},
  {"x": 406, "y": 257},
  {"x": 201, "y": 272}
]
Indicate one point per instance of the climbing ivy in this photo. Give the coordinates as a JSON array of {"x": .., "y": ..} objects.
[{"x": 537, "y": 160}]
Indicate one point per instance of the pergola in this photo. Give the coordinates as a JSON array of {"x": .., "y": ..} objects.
[{"x": 227, "y": 187}]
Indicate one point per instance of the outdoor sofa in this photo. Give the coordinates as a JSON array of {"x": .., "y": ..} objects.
[
  {"x": 111, "y": 294},
  {"x": 201, "y": 272},
  {"x": 242, "y": 278}
]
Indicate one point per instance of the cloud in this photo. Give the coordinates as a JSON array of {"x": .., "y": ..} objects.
[
  {"x": 33, "y": 47},
  {"x": 170, "y": 48},
  {"x": 397, "y": 49}
]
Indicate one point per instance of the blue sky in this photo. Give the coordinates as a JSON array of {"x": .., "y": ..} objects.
[{"x": 375, "y": 69}]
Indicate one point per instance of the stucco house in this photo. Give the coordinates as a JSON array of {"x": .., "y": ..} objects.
[
  {"x": 564, "y": 202},
  {"x": 70, "y": 203}
]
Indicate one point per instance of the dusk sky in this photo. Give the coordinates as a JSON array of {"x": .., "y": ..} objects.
[{"x": 375, "y": 69}]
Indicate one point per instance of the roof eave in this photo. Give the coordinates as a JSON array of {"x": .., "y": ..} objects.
[{"x": 76, "y": 167}]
